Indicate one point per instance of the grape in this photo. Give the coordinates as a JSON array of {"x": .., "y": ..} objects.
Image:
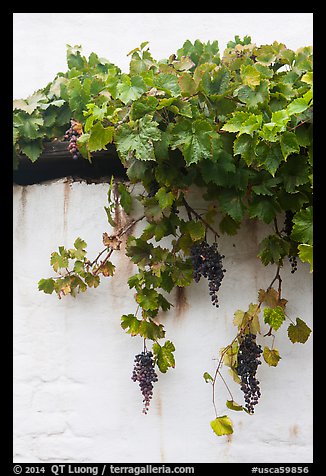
[
  {"x": 287, "y": 229},
  {"x": 288, "y": 223},
  {"x": 145, "y": 374},
  {"x": 247, "y": 365},
  {"x": 72, "y": 136},
  {"x": 294, "y": 263},
  {"x": 207, "y": 262}
]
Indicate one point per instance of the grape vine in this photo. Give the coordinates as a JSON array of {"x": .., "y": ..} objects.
[{"x": 236, "y": 126}]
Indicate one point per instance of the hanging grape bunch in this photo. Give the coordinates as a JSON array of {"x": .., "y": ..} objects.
[
  {"x": 248, "y": 361},
  {"x": 288, "y": 225},
  {"x": 72, "y": 134},
  {"x": 207, "y": 262},
  {"x": 145, "y": 374}
]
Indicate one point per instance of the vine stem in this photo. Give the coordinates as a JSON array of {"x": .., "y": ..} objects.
[
  {"x": 103, "y": 262},
  {"x": 191, "y": 211}
]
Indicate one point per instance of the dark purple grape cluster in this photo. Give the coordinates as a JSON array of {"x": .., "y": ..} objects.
[
  {"x": 145, "y": 374},
  {"x": 247, "y": 364},
  {"x": 294, "y": 263},
  {"x": 288, "y": 222},
  {"x": 72, "y": 135},
  {"x": 287, "y": 229},
  {"x": 207, "y": 262}
]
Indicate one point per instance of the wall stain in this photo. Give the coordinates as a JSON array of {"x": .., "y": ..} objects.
[
  {"x": 294, "y": 431},
  {"x": 159, "y": 411},
  {"x": 66, "y": 197},
  {"x": 20, "y": 227},
  {"x": 124, "y": 266},
  {"x": 181, "y": 305},
  {"x": 229, "y": 438}
]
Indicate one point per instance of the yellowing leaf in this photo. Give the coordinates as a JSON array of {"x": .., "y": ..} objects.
[
  {"x": 222, "y": 425},
  {"x": 299, "y": 332},
  {"x": 271, "y": 356},
  {"x": 232, "y": 405},
  {"x": 306, "y": 254}
]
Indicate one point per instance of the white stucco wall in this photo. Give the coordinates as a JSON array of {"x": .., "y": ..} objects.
[
  {"x": 74, "y": 400},
  {"x": 39, "y": 39}
]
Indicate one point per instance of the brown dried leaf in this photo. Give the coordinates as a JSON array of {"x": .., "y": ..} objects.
[
  {"x": 271, "y": 298},
  {"x": 112, "y": 241}
]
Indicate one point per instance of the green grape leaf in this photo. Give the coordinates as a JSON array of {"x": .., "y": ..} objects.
[
  {"x": 138, "y": 250},
  {"x": 306, "y": 254},
  {"x": 152, "y": 209},
  {"x": 80, "y": 244},
  {"x": 196, "y": 230},
  {"x": 164, "y": 355},
  {"x": 271, "y": 356},
  {"x": 46, "y": 285},
  {"x": 244, "y": 145},
  {"x": 193, "y": 138},
  {"x": 79, "y": 267},
  {"x": 274, "y": 317},
  {"x": 254, "y": 97},
  {"x": 299, "y": 332},
  {"x": 187, "y": 84},
  {"x": 222, "y": 425},
  {"x": 99, "y": 137},
  {"x": 28, "y": 126},
  {"x": 269, "y": 155},
  {"x": 59, "y": 261},
  {"x": 151, "y": 330},
  {"x": 125, "y": 198},
  {"x": 148, "y": 299},
  {"x": 30, "y": 103},
  {"x": 231, "y": 203},
  {"x": 164, "y": 197},
  {"x": 207, "y": 377},
  {"x": 273, "y": 249},
  {"x": 229, "y": 226},
  {"x": 289, "y": 144},
  {"x": 235, "y": 123},
  {"x": 32, "y": 149},
  {"x": 294, "y": 172},
  {"x": 92, "y": 280},
  {"x": 302, "y": 230},
  {"x": 297, "y": 106},
  {"x": 182, "y": 274},
  {"x": 130, "y": 323},
  {"x": 215, "y": 82},
  {"x": 263, "y": 208},
  {"x": 130, "y": 88},
  {"x": 167, "y": 83},
  {"x": 138, "y": 138}
]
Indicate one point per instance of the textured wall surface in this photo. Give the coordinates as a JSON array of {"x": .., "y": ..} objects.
[
  {"x": 74, "y": 400},
  {"x": 39, "y": 40}
]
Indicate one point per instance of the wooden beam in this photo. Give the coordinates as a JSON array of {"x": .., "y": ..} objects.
[{"x": 56, "y": 162}]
